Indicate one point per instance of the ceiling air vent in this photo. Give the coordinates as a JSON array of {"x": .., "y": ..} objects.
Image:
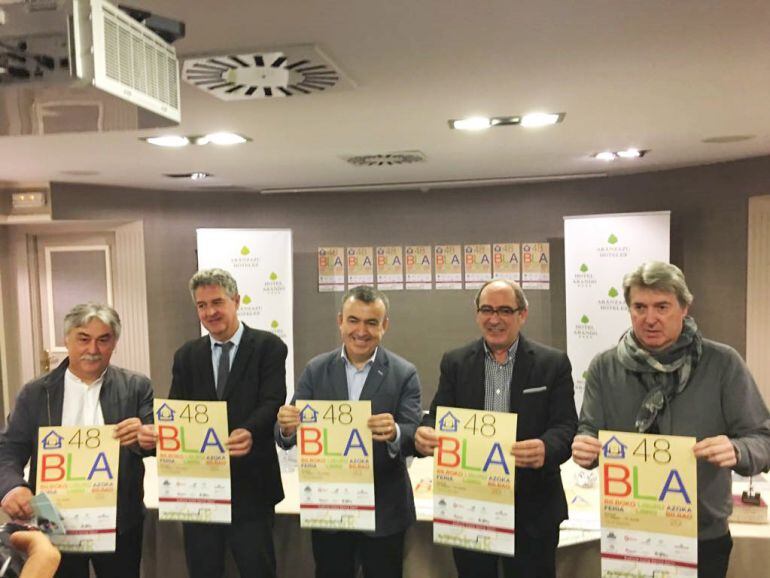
[
  {"x": 292, "y": 71},
  {"x": 387, "y": 159}
]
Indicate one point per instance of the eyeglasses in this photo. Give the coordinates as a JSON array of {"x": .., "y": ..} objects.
[{"x": 487, "y": 311}]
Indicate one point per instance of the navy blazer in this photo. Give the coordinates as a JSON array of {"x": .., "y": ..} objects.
[
  {"x": 255, "y": 389},
  {"x": 393, "y": 387},
  {"x": 542, "y": 394},
  {"x": 124, "y": 394}
]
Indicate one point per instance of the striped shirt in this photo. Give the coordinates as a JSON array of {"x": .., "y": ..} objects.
[{"x": 497, "y": 379}]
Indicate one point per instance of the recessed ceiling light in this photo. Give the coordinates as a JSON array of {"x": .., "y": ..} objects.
[
  {"x": 471, "y": 123},
  {"x": 536, "y": 119},
  {"x": 195, "y": 176},
  {"x": 169, "y": 140},
  {"x": 606, "y": 156},
  {"x": 221, "y": 138},
  {"x": 630, "y": 154}
]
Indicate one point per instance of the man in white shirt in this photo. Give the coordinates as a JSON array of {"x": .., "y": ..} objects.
[{"x": 83, "y": 390}]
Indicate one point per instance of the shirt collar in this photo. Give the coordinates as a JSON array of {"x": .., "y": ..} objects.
[
  {"x": 348, "y": 363},
  {"x": 72, "y": 378},
  {"x": 235, "y": 339},
  {"x": 511, "y": 350}
]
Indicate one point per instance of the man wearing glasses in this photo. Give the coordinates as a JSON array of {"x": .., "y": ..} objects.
[{"x": 504, "y": 371}]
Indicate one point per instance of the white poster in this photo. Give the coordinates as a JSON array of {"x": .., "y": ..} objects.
[
  {"x": 261, "y": 262},
  {"x": 598, "y": 251}
]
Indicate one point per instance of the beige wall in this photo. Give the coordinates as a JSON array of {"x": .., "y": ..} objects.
[{"x": 708, "y": 240}]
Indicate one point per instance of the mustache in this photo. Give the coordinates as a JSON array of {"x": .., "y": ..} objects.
[{"x": 90, "y": 357}]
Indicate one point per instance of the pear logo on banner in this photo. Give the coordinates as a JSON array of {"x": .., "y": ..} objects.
[
  {"x": 249, "y": 307},
  {"x": 585, "y": 329},
  {"x": 273, "y": 285},
  {"x": 276, "y": 328},
  {"x": 612, "y": 302},
  {"x": 583, "y": 278},
  {"x": 614, "y": 249},
  {"x": 244, "y": 259}
]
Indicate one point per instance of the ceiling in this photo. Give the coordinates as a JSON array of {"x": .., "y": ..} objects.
[{"x": 651, "y": 74}]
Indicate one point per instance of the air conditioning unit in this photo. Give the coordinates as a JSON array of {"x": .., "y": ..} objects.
[{"x": 83, "y": 65}]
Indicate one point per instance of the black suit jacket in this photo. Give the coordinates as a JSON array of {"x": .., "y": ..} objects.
[
  {"x": 255, "y": 389},
  {"x": 124, "y": 394},
  {"x": 542, "y": 396},
  {"x": 393, "y": 387}
]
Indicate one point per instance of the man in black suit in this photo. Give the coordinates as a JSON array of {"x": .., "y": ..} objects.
[
  {"x": 364, "y": 370},
  {"x": 504, "y": 371},
  {"x": 84, "y": 390},
  {"x": 246, "y": 368}
]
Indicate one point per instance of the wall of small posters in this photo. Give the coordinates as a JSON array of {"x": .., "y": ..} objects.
[{"x": 427, "y": 267}]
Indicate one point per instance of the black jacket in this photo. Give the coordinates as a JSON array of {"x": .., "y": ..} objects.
[
  {"x": 542, "y": 396},
  {"x": 124, "y": 394}
]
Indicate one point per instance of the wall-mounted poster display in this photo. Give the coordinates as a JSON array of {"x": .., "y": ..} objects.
[
  {"x": 331, "y": 269},
  {"x": 449, "y": 266},
  {"x": 535, "y": 266},
  {"x": 360, "y": 266},
  {"x": 419, "y": 267},
  {"x": 506, "y": 261},
  {"x": 478, "y": 265},
  {"x": 390, "y": 268}
]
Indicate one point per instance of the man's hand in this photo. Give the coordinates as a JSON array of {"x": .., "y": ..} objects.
[
  {"x": 288, "y": 420},
  {"x": 425, "y": 440},
  {"x": 383, "y": 427},
  {"x": 127, "y": 431},
  {"x": 16, "y": 503},
  {"x": 529, "y": 453},
  {"x": 239, "y": 442},
  {"x": 717, "y": 450},
  {"x": 147, "y": 437},
  {"x": 43, "y": 557},
  {"x": 585, "y": 450}
]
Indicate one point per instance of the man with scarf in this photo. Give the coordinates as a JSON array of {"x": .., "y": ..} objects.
[{"x": 664, "y": 377}]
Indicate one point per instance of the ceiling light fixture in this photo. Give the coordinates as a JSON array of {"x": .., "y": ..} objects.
[
  {"x": 222, "y": 139},
  {"x": 194, "y": 176},
  {"x": 471, "y": 123},
  {"x": 629, "y": 153},
  {"x": 169, "y": 141},
  {"x": 538, "y": 119},
  {"x": 532, "y": 120},
  {"x": 199, "y": 176}
]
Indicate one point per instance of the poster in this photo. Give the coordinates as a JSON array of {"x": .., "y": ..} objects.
[
  {"x": 478, "y": 265},
  {"x": 77, "y": 467},
  {"x": 598, "y": 251},
  {"x": 419, "y": 267},
  {"x": 390, "y": 268},
  {"x": 449, "y": 266},
  {"x": 535, "y": 266},
  {"x": 649, "y": 505},
  {"x": 506, "y": 261},
  {"x": 331, "y": 269},
  {"x": 193, "y": 462},
  {"x": 360, "y": 266},
  {"x": 336, "y": 467},
  {"x": 473, "y": 480}
]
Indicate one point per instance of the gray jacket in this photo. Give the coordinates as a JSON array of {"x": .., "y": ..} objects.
[
  {"x": 124, "y": 394},
  {"x": 721, "y": 398}
]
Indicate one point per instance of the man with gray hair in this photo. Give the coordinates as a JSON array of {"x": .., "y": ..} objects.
[
  {"x": 664, "y": 377},
  {"x": 246, "y": 368},
  {"x": 504, "y": 371},
  {"x": 361, "y": 369},
  {"x": 84, "y": 390}
]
